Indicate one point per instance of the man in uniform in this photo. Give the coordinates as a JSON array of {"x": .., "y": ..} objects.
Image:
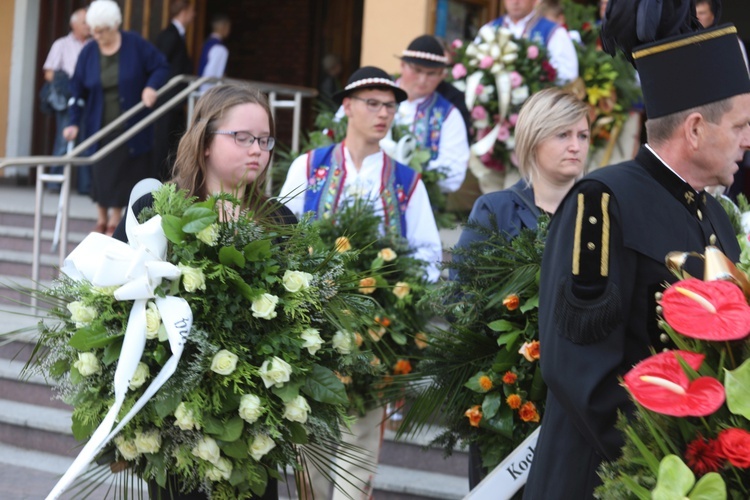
[
  {"x": 604, "y": 258},
  {"x": 434, "y": 121}
]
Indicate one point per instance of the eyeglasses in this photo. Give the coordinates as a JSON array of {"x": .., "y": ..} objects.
[
  {"x": 245, "y": 139},
  {"x": 374, "y": 105}
]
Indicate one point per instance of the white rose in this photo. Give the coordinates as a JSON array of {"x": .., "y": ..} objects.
[
  {"x": 312, "y": 339},
  {"x": 401, "y": 289},
  {"x": 209, "y": 235},
  {"x": 296, "y": 410},
  {"x": 222, "y": 470},
  {"x": 147, "y": 442},
  {"x": 387, "y": 255},
  {"x": 262, "y": 444},
  {"x": 192, "y": 278},
  {"x": 250, "y": 409},
  {"x": 519, "y": 95},
  {"x": 224, "y": 362},
  {"x": 87, "y": 364},
  {"x": 185, "y": 418},
  {"x": 275, "y": 371},
  {"x": 127, "y": 448},
  {"x": 139, "y": 377},
  {"x": 264, "y": 307},
  {"x": 80, "y": 314},
  {"x": 460, "y": 85},
  {"x": 153, "y": 320},
  {"x": 295, "y": 281},
  {"x": 207, "y": 449},
  {"x": 342, "y": 342}
]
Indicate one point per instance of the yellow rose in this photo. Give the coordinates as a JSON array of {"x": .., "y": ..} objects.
[
  {"x": 401, "y": 289},
  {"x": 224, "y": 362},
  {"x": 262, "y": 444},
  {"x": 275, "y": 372},
  {"x": 421, "y": 340},
  {"x": 367, "y": 285},
  {"x": 192, "y": 278},
  {"x": 264, "y": 307},
  {"x": 209, "y": 235},
  {"x": 387, "y": 255},
  {"x": 153, "y": 320},
  {"x": 221, "y": 470},
  {"x": 82, "y": 315},
  {"x": 139, "y": 377},
  {"x": 296, "y": 410},
  {"x": 126, "y": 447},
  {"x": 342, "y": 244},
  {"x": 250, "y": 408},
  {"x": 87, "y": 364},
  {"x": 185, "y": 418},
  {"x": 147, "y": 442},
  {"x": 207, "y": 449},
  {"x": 294, "y": 281}
]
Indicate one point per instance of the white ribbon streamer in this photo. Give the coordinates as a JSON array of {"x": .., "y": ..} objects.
[
  {"x": 472, "y": 83},
  {"x": 137, "y": 268},
  {"x": 401, "y": 151},
  {"x": 484, "y": 145}
]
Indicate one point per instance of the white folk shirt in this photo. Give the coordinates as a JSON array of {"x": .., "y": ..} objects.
[
  {"x": 421, "y": 230},
  {"x": 64, "y": 54},
  {"x": 453, "y": 151},
  {"x": 562, "y": 52}
]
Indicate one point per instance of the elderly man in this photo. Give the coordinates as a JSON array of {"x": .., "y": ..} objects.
[
  {"x": 436, "y": 123},
  {"x": 604, "y": 258},
  {"x": 522, "y": 19}
]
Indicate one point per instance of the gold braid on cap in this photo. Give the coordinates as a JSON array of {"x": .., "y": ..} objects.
[{"x": 700, "y": 37}]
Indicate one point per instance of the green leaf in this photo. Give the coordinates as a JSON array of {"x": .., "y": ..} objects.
[
  {"x": 538, "y": 388},
  {"x": 75, "y": 375},
  {"x": 231, "y": 257},
  {"x": 501, "y": 423},
  {"x": 288, "y": 391},
  {"x": 59, "y": 368},
  {"x": 91, "y": 337},
  {"x": 212, "y": 425},
  {"x": 196, "y": 219},
  {"x": 235, "y": 449},
  {"x": 638, "y": 490},
  {"x": 167, "y": 404},
  {"x": 232, "y": 430},
  {"x": 257, "y": 250},
  {"x": 504, "y": 360},
  {"x": 81, "y": 429},
  {"x": 501, "y": 325},
  {"x": 674, "y": 481},
  {"x": 259, "y": 487},
  {"x": 298, "y": 433},
  {"x": 491, "y": 404},
  {"x": 508, "y": 339},
  {"x": 532, "y": 303},
  {"x": 324, "y": 386},
  {"x": 399, "y": 338},
  {"x": 112, "y": 352},
  {"x": 473, "y": 383},
  {"x": 239, "y": 475},
  {"x": 172, "y": 226},
  {"x": 245, "y": 290},
  {"x": 737, "y": 387},
  {"x": 709, "y": 487}
]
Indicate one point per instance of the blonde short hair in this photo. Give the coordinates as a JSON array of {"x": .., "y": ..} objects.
[
  {"x": 103, "y": 14},
  {"x": 543, "y": 115}
]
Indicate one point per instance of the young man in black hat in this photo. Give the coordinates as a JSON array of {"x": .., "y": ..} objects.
[
  {"x": 436, "y": 123},
  {"x": 327, "y": 178},
  {"x": 605, "y": 255}
]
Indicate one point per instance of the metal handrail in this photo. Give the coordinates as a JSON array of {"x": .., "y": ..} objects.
[{"x": 71, "y": 159}]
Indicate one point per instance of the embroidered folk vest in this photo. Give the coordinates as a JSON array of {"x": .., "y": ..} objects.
[
  {"x": 538, "y": 29},
  {"x": 428, "y": 121},
  {"x": 326, "y": 173}
]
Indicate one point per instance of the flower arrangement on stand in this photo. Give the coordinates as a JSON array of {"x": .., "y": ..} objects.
[
  {"x": 213, "y": 342},
  {"x": 690, "y": 434},
  {"x": 392, "y": 339},
  {"x": 498, "y": 73},
  {"x": 485, "y": 382}
]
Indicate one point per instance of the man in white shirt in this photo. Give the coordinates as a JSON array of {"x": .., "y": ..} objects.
[
  {"x": 434, "y": 121},
  {"x": 62, "y": 59},
  {"x": 214, "y": 54},
  {"x": 524, "y": 21}
]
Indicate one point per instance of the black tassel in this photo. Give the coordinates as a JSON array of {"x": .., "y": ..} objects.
[{"x": 586, "y": 322}]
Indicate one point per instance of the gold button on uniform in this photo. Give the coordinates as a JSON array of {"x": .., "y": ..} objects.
[
  {"x": 664, "y": 338},
  {"x": 590, "y": 246},
  {"x": 592, "y": 220},
  {"x": 700, "y": 214},
  {"x": 712, "y": 239}
]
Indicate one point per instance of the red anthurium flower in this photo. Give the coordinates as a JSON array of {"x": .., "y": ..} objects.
[
  {"x": 707, "y": 310},
  {"x": 660, "y": 384}
]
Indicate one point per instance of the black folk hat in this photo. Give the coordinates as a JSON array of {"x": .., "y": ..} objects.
[
  {"x": 369, "y": 77},
  {"x": 425, "y": 50},
  {"x": 691, "y": 70}
]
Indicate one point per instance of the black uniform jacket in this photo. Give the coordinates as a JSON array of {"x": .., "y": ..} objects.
[{"x": 603, "y": 263}]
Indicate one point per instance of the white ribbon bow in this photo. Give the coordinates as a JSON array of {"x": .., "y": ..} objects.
[
  {"x": 137, "y": 268},
  {"x": 401, "y": 151}
]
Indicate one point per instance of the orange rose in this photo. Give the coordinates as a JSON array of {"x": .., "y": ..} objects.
[
  {"x": 375, "y": 361},
  {"x": 512, "y": 302},
  {"x": 401, "y": 289},
  {"x": 475, "y": 415},
  {"x": 367, "y": 285},
  {"x": 510, "y": 378},
  {"x": 514, "y": 401},
  {"x": 345, "y": 379},
  {"x": 528, "y": 412},
  {"x": 376, "y": 335},
  {"x": 530, "y": 351},
  {"x": 358, "y": 339},
  {"x": 383, "y": 321},
  {"x": 342, "y": 244},
  {"x": 420, "y": 340},
  {"x": 402, "y": 367},
  {"x": 485, "y": 383}
]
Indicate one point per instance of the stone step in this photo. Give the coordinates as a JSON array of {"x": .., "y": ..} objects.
[{"x": 22, "y": 238}]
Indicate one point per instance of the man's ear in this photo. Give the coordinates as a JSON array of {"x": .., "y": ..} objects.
[{"x": 694, "y": 129}]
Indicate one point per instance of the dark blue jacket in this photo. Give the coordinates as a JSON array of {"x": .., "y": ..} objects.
[{"x": 141, "y": 66}]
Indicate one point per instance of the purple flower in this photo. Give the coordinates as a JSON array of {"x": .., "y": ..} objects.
[
  {"x": 532, "y": 52},
  {"x": 458, "y": 71}
]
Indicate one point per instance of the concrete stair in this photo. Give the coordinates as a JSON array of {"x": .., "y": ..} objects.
[{"x": 36, "y": 443}]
